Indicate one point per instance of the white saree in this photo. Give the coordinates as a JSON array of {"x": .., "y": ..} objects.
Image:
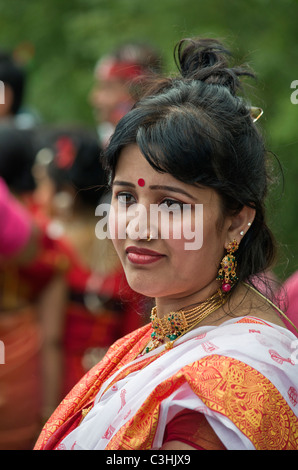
[{"x": 242, "y": 375}]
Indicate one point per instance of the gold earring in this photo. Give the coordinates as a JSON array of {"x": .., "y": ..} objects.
[
  {"x": 227, "y": 272},
  {"x": 148, "y": 239}
]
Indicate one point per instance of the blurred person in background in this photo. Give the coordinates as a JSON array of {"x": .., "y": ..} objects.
[
  {"x": 289, "y": 295},
  {"x": 100, "y": 307},
  {"x": 16, "y": 161},
  {"x": 32, "y": 299},
  {"x": 17, "y": 144},
  {"x": 118, "y": 77},
  {"x": 13, "y": 77}
]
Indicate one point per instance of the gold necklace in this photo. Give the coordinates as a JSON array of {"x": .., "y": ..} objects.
[{"x": 176, "y": 324}]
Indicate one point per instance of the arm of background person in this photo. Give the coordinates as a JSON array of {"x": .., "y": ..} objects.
[{"x": 18, "y": 233}]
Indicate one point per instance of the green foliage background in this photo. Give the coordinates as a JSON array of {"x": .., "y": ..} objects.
[{"x": 68, "y": 36}]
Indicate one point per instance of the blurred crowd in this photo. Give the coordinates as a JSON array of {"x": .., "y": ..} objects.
[{"x": 63, "y": 296}]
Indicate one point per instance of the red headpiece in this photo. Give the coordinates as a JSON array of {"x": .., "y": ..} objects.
[{"x": 108, "y": 69}]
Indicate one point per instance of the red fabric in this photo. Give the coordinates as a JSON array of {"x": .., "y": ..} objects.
[
  {"x": 63, "y": 431},
  {"x": 192, "y": 428},
  {"x": 20, "y": 384},
  {"x": 121, "y": 70}
]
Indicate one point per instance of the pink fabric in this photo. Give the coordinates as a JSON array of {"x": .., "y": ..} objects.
[
  {"x": 291, "y": 288},
  {"x": 15, "y": 223}
]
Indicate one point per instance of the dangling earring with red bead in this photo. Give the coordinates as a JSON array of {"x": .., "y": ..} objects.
[{"x": 227, "y": 272}]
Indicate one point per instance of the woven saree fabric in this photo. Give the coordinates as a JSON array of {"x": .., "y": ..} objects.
[{"x": 242, "y": 376}]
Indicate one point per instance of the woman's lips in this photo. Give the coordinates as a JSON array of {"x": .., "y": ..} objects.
[{"x": 142, "y": 256}]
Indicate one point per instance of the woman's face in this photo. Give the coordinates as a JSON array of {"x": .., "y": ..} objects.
[{"x": 147, "y": 203}]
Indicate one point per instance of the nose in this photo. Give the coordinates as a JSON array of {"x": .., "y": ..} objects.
[{"x": 139, "y": 226}]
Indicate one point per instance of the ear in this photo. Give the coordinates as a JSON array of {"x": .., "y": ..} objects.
[{"x": 240, "y": 224}]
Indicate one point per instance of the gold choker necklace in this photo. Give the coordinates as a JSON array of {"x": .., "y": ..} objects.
[{"x": 176, "y": 324}]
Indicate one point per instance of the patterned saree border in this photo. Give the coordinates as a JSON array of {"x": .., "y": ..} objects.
[
  {"x": 226, "y": 386},
  {"x": 119, "y": 354}
]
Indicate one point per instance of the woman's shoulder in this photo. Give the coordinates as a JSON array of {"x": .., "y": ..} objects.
[{"x": 249, "y": 302}]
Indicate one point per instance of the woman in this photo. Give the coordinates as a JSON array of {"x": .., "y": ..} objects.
[{"x": 213, "y": 369}]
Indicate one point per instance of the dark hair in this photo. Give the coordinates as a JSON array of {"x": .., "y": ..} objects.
[
  {"x": 16, "y": 159},
  {"x": 11, "y": 73},
  {"x": 199, "y": 130}
]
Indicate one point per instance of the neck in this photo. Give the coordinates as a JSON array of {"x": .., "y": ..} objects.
[
  {"x": 177, "y": 323},
  {"x": 165, "y": 305}
]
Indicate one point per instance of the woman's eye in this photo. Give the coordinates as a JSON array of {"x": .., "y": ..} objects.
[
  {"x": 125, "y": 198},
  {"x": 171, "y": 204}
]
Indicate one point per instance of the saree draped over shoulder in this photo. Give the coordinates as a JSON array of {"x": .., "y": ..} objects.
[{"x": 242, "y": 376}]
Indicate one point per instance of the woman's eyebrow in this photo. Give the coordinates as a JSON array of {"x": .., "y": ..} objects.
[
  {"x": 123, "y": 183},
  {"x": 172, "y": 189}
]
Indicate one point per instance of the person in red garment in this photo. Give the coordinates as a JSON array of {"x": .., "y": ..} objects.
[{"x": 213, "y": 369}]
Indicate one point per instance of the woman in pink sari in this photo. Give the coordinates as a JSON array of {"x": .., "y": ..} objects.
[
  {"x": 215, "y": 368},
  {"x": 290, "y": 295}
]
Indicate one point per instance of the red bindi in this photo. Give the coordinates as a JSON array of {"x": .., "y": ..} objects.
[{"x": 141, "y": 182}]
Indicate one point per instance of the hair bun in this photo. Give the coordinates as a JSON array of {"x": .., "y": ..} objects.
[{"x": 207, "y": 60}]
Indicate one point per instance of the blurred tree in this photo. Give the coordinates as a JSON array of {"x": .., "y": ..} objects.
[{"x": 68, "y": 36}]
